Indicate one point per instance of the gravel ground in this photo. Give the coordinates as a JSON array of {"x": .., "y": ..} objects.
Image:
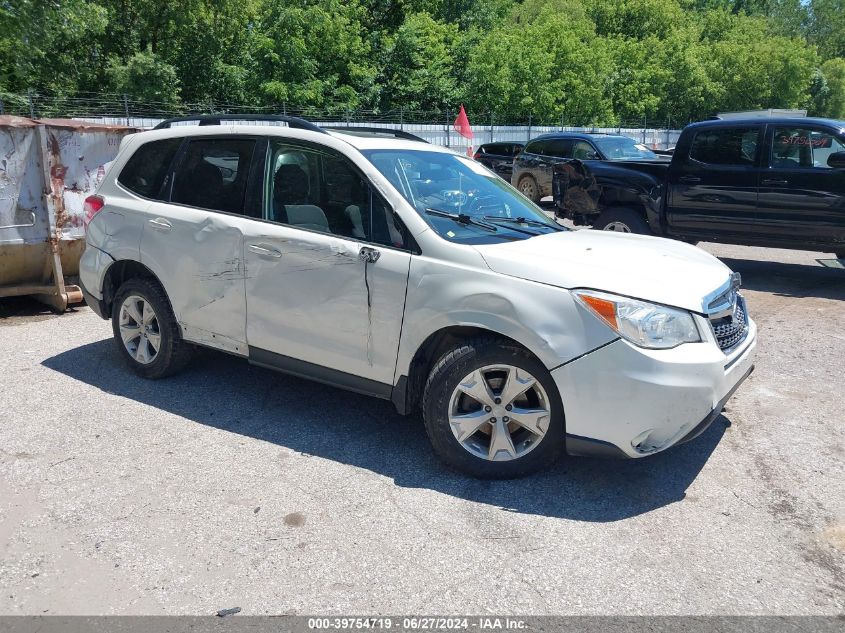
[{"x": 234, "y": 486}]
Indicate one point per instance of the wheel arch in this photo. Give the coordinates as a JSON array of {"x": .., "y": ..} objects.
[
  {"x": 120, "y": 272},
  {"x": 407, "y": 393}
]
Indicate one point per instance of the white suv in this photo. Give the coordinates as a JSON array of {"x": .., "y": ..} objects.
[{"x": 398, "y": 269}]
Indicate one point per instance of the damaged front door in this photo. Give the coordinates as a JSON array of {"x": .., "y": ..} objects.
[
  {"x": 194, "y": 242},
  {"x": 325, "y": 295}
]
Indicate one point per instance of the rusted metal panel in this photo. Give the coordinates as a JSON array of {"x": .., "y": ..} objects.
[{"x": 47, "y": 169}]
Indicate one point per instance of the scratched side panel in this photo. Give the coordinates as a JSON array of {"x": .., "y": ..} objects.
[
  {"x": 387, "y": 281},
  {"x": 310, "y": 302},
  {"x": 542, "y": 318}
]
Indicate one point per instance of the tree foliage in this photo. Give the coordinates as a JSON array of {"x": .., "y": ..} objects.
[{"x": 578, "y": 61}]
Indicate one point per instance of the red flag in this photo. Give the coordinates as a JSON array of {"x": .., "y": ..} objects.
[{"x": 462, "y": 125}]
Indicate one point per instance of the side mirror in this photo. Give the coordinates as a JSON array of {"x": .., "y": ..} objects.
[{"x": 836, "y": 160}]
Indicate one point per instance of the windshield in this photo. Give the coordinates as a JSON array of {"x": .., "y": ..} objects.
[
  {"x": 623, "y": 148},
  {"x": 459, "y": 198}
]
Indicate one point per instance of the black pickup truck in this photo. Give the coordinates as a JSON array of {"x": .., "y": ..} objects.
[{"x": 763, "y": 182}]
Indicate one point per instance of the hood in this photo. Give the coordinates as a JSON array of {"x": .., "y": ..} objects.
[{"x": 639, "y": 266}]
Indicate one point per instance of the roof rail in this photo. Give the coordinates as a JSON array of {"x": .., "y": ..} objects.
[
  {"x": 374, "y": 131},
  {"x": 217, "y": 119}
]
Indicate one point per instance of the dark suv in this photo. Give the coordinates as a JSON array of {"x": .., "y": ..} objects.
[
  {"x": 499, "y": 157},
  {"x": 532, "y": 169}
]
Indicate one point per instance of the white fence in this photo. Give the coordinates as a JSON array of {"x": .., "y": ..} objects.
[{"x": 440, "y": 134}]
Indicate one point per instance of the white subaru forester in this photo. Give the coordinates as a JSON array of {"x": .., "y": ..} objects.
[{"x": 384, "y": 265}]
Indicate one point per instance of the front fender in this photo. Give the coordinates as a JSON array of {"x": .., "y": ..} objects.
[{"x": 543, "y": 319}]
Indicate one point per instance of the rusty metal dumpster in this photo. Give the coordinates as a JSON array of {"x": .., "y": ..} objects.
[{"x": 47, "y": 169}]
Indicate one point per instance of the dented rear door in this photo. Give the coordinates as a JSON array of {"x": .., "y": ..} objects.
[{"x": 194, "y": 242}]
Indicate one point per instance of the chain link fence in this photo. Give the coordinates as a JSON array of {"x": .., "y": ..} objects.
[{"x": 434, "y": 126}]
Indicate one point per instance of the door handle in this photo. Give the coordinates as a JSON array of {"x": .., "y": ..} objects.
[
  {"x": 265, "y": 251},
  {"x": 369, "y": 255},
  {"x": 690, "y": 180},
  {"x": 776, "y": 182},
  {"x": 160, "y": 224}
]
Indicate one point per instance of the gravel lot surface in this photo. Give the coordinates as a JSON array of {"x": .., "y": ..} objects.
[{"x": 232, "y": 486}]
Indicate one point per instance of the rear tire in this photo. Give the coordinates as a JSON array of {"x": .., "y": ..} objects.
[
  {"x": 146, "y": 332},
  {"x": 528, "y": 433},
  {"x": 622, "y": 220},
  {"x": 528, "y": 187}
]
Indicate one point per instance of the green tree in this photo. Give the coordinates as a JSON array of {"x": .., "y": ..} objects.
[
  {"x": 542, "y": 63},
  {"x": 830, "y": 99},
  {"x": 50, "y": 47},
  {"x": 419, "y": 68},
  {"x": 637, "y": 19},
  {"x": 214, "y": 53},
  {"x": 749, "y": 69},
  {"x": 314, "y": 54},
  {"x": 145, "y": 77},
  {"x": 827, "y": 29}
]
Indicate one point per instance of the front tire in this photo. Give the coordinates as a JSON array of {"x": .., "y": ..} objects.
[
  {"x": 528, "y": 187},
  {"x": 145, "y": 330},
  {"x": 622, "y": 220},
  {"x": 492, "y": 411}
]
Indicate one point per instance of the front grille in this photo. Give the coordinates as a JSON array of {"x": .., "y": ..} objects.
[{"x": 731, "y": 330}]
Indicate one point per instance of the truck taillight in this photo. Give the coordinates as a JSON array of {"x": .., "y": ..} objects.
[{"x": 93, "y": 205}]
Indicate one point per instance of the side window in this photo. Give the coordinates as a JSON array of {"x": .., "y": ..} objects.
[
  {"x": 535, "y": 147},
  {"x": 803, "y": 147},
  {"x": 322, "y": 191},
  {"x": 213, "y": 174},
  {"x": 582, "y": 150},
  {"x": 145, "y": 171},
  {"x": 726, "y": 146},
  {"x": 559, "y": 149}
]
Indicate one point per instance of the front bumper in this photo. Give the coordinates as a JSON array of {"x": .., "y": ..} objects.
[{"x": 624, "y": 401}]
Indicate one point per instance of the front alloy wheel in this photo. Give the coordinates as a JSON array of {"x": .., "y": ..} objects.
[
  {"x": 139, "y": 329},
  {"x": 492, "y": 410},
  {"x": 499, "y": 412}
]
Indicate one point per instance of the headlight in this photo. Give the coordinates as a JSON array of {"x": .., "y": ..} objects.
[{"x": 643, "y": 324}]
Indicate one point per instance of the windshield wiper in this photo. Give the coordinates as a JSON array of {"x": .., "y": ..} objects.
[
  {"x": 521, "y": 220},
  {"x": 461, "y": 218}
]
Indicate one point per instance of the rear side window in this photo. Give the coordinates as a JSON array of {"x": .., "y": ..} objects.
[
  {"x": 559, "y": 148},
  {"x": 535, "y": 147},
  {"x": 726, "y": 146},
  {"x": 145, "y": 171},
  {"x": 213, "y": 174}
]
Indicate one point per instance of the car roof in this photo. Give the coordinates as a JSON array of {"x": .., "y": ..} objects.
[{"x": 788, "y": 121}]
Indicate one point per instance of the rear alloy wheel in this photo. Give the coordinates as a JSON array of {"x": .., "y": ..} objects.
[
  {"x": 139, "y": 329},
  {"x": 145, "y": 330},
  {"x": 492, "y": 410},
  {"x": 528, "y": 188},
  {"x": 622, "y": 221}
]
